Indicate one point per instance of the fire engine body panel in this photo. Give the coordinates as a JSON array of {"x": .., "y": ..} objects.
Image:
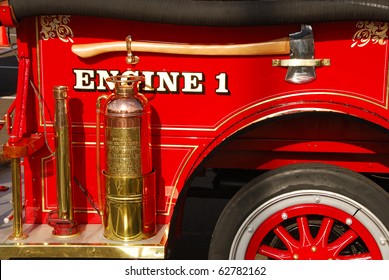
[{"x": 298, "y": 97}]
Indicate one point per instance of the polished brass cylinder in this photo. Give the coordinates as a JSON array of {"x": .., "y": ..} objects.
[
  {"x": 123, "y": 208},
  {"x": 17, "y": 200},
  {"x": 63, "y": 219},
  {"x": 63, "y": 154}
]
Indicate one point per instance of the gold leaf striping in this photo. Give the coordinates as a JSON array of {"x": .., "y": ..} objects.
[
  {"x": 56, "y": 26},
  {"x": 370, "y": 31}
]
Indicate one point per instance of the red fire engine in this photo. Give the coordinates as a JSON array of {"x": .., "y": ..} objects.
[{"x": 121, "y": 106}]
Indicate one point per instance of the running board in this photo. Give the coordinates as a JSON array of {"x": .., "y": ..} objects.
[{"x": 90, "y": 243}]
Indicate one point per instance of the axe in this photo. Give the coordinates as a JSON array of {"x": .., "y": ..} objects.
[
  {"x": 299, "y": 45},
  {"x": 279, "y": 46},
  {"x": 301, "y": 65}
]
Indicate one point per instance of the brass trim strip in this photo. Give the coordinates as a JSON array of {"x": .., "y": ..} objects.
[
  {"x": 94, "y": 251},
  {"x": 301, "y": 62}
]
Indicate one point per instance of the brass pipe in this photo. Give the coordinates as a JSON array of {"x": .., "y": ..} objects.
[
  {"x": 64, "y": 185},
  {"x": 17, "y": 200},
  {"x": 64, "y": 223},
  {"x": 98, "y": 165}
]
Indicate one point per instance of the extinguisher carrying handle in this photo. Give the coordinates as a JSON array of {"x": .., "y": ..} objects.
[
  {"x": 98, "y": 145},
  {"x": 126, "y": 80}
]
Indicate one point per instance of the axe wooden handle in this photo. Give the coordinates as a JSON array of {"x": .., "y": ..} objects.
[{"x": 280, "y": 46}]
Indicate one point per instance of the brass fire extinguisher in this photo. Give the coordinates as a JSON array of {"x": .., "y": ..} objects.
[{"x": 125, "y": 166}]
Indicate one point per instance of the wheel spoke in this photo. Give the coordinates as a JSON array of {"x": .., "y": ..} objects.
[
  {"x": 304, "y": 231},
  {"x": 289, "y": 241},
  {"x": 274, "y": 253},
  {"x": 324, "y": 232},
  {"x": 342, "y": 242}
]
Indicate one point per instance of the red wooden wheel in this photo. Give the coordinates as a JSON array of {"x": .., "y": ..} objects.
[{"x": 312, "y": 232}]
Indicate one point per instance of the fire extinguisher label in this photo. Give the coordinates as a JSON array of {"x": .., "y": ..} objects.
[{"x": 123, "y": 151}]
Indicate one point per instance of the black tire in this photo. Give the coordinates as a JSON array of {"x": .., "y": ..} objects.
[{"x": 314, "y": 186}]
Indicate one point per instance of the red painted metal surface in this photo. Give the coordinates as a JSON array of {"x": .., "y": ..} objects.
[
  {"x": 197, "y": 102},
  {"x": 322, "y": 137},
  {"x": 303, "y": 244},
  {"x": 6, "y": 17},
  {"x": 3, "y": 37},
  {"x": 19, "y": 107}
]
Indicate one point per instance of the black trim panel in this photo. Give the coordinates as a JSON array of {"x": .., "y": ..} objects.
[{"x": 210, "y": 13}]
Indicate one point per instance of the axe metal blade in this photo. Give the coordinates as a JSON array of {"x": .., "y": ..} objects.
[{"x": 301, "y": 47}]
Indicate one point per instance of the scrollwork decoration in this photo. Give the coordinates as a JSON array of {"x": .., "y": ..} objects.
[
  {"x": 370, "y": 32},
  {"x": 56, "y": 26}
]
